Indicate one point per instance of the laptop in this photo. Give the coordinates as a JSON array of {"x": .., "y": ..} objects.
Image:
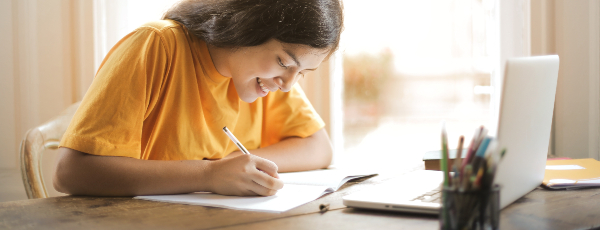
[{"x": 525, "y": 119}]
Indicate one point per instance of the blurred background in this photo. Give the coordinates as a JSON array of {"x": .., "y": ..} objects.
[
  {"x": 407, "y": 66},
  {"x": 403, "y": 67}
]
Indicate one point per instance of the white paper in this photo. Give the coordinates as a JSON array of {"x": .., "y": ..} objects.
[
  {"x": 561, "y": 182},
  {"x": 589, "y": 181},
  {"x": 290, "y": 196},
  {"x": 299, "y": 188},
  {"x": 563, "y": 167},
  {"x": 331, "y": 178}
]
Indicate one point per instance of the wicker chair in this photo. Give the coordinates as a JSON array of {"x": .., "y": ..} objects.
[{"x": 38, "y": 139}]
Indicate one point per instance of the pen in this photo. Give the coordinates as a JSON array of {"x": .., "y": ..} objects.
[
  {"x": 444, "y": 161},
  {"x": 480, "y": 155},
  {"x": 457, "y": 161},
  {"x": 471, "y": 149},
  {"x": 466, "y": 178},
  {"x": 459, "y": 150},
  {"x": 480, "y": 139},
  {"x": 478, "y": 177},
  {"x": 445, "y": 169},
  {"x": 235, "y": 140}
]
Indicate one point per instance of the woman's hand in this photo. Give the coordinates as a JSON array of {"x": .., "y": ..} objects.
[{"x": 243, "y": 175}]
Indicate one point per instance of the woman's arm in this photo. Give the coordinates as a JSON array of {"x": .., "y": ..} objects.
[
  {"x": 79, "y": 173},
  {"x": 297, "y": 154}
]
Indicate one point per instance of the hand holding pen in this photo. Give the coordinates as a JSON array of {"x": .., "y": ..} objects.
[{"x": 244, "y": 175}]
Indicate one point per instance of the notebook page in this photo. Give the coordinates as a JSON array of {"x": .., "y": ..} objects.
[
  {"x": 331, "y": 178},
  {"x": 290, "y": 196}
]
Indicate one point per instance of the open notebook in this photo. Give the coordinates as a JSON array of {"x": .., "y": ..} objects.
[{"x": 299, "y": 188}]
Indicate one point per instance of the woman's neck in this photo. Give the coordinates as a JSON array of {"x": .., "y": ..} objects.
[{"x": 220, "y": 58}]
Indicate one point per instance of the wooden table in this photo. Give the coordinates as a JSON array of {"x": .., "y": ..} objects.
[{"x": 540, "y": 209}]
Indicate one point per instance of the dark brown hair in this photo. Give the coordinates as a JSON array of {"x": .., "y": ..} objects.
[{"x": 240, "y": 23}]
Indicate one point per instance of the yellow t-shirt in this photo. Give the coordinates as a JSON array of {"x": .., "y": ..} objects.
[{"x": 157, "y": 95}]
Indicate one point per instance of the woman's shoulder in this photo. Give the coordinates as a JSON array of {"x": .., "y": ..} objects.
[
  {"x": 161, "y": 25},
  {"x": 168, "y": 31}
]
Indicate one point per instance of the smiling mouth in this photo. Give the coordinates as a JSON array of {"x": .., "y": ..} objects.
[{"x": 262, "y": 86}]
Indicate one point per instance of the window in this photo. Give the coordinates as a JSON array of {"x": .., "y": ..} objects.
[
  {"x": 115, "y": 19},
  {"x": 408, "y": 65}
]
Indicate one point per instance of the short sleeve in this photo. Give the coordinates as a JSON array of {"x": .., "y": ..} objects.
[
  {"x": 110, "y": 118},
  {"x": 289, "y": 115}
]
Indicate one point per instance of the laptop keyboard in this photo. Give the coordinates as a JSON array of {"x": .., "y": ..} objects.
[{"x": 433, "y": 196}]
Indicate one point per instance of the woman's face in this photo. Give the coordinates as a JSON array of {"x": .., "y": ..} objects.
[{"x": 272, "y": 66}]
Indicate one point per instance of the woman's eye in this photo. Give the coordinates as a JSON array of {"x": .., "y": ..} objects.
[{"x": 281, "y": 63}]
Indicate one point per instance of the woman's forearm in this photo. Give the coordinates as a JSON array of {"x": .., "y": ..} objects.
[
  {"x": 80, "y": 173},
  {"x": 84, "y": 174},
  {"x": 299, "y": 154}
]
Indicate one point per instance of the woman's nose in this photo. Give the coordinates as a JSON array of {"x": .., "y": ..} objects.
[{"x": 285, "y": 82}]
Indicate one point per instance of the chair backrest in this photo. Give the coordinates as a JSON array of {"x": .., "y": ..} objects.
[{"x": 38, "y": 139}]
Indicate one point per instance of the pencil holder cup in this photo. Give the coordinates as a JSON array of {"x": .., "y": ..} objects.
[{"x": 473, "y": 209}]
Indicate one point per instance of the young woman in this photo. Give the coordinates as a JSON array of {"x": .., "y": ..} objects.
[{"x": 151, "y": 122}]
